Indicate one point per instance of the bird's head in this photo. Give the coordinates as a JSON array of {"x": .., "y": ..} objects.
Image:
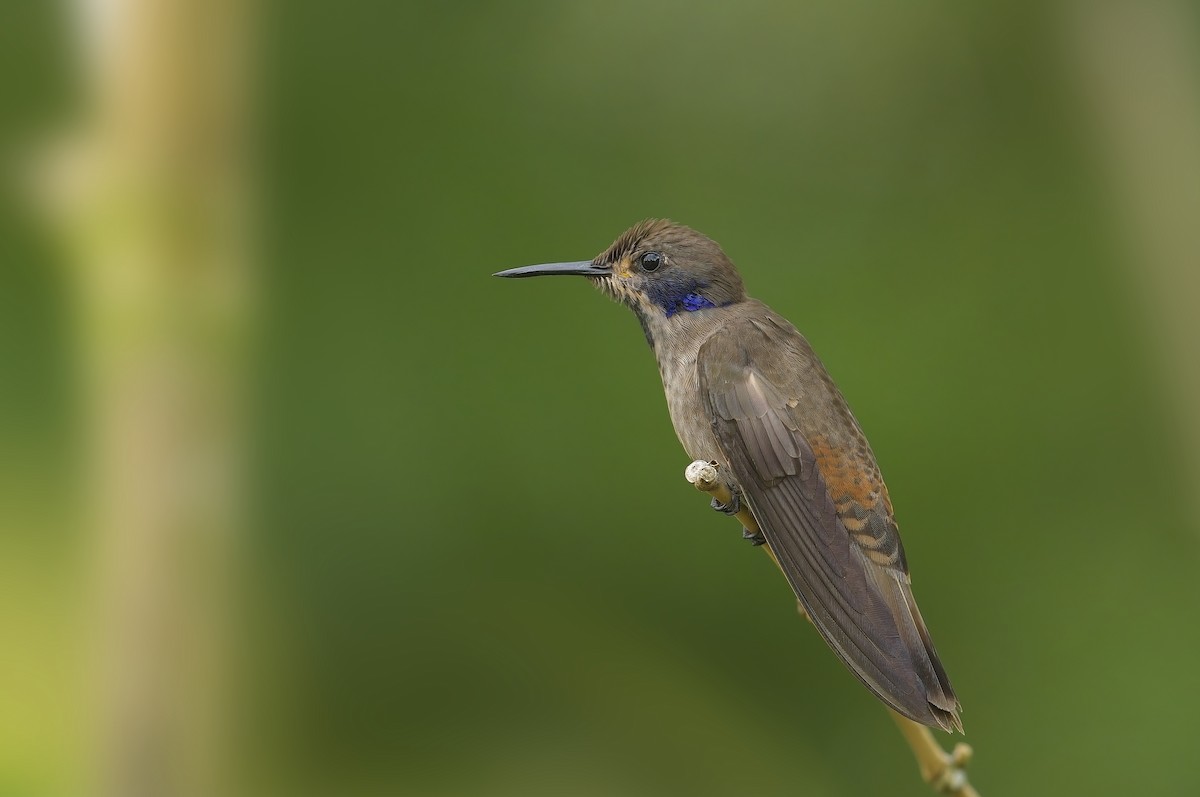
[{"x": 659, "y": 268}]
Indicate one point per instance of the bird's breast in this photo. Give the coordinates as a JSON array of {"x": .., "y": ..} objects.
[{"x": 681, "y": 382}]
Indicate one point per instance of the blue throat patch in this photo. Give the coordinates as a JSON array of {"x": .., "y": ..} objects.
[
  {"x": 689, "y": 304},
  {"x": 678, "y": 293}
]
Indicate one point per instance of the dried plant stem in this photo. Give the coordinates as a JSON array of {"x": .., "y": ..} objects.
[{"x": 945, "y": 772}]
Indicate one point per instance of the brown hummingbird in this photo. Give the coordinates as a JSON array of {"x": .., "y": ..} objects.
[{"x": 745, "y": 389}]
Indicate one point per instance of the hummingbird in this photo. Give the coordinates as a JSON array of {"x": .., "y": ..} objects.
[{"x": 745, "y": 390}]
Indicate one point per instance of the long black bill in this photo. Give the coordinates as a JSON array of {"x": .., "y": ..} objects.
[{"x": 582, "y": 268}]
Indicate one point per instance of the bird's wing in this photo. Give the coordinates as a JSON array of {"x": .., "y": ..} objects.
[{"x": 855, "y": 590}]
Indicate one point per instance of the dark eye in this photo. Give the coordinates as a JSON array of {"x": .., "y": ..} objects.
[{"x": 651, "y": 261}]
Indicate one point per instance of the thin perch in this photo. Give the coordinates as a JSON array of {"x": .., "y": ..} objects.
[{"x": 945, "y": 772}]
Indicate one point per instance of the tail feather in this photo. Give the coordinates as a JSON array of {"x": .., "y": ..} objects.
[
  {"x": 934, "y": 702},
  {"x": 943, "y": 703}
]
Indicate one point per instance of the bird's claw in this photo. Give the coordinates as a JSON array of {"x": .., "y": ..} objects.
[
  {"x": 755, "y": 537},
  {"x": 732, "y": 508}
]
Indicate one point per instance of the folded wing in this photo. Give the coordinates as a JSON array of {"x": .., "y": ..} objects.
[{"x": 855, "y": 588}]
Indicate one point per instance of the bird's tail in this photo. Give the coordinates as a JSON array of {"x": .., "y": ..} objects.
[{"x": 943, "y": 704}]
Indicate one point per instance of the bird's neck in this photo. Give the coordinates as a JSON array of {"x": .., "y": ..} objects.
[
  {"x": 678, "y": 322},
  {"x": 671, "y": 308}
]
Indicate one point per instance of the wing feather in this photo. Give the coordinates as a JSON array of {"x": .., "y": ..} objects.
[{"x": 862, "y": 608}]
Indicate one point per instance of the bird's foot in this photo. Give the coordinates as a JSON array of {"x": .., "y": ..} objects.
[
  {"x": 732, "y": 508},
  {"x": 755, "y": 537}
]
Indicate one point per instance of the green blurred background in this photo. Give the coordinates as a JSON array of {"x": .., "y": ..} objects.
[{"x": 468, "y": 562}]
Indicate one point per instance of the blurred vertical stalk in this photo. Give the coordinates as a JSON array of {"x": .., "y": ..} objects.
[
  {"x": 152, "y": 195},
  {"x": 1138, "y": 62}
]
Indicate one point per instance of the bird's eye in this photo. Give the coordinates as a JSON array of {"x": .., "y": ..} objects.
[{"x": 651, "y": 261}]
